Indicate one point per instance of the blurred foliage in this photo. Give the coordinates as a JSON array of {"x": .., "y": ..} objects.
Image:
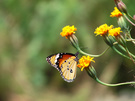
[{"x": 29, "y": 32}]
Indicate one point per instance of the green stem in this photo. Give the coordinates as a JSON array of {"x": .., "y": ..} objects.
[
  {"x": 118, "y": 84},
  {"x": 92, "y": 73},
  {"x": 120, "y": 53},
  {"x": 132, "y": 40},
  {"x": 129, "y": 54},
  {"x": 129, "y": 20},
  {"x": 82, "y": 52},
  {"x": 130, "y": 16},
  {"x": 73, "y": 39},
  {"x": 125, "y": 50}
]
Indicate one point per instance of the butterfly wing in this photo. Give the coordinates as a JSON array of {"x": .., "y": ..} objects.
[
  {"x": 52, "y": 60},
  {"x": 68, "y": 69},
  {"x": 65, "y": 63}
]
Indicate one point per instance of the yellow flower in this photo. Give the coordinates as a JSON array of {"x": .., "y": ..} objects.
[
  {"x": 115, "y": 31},
  {"x": 68, "y": 31},
  {"x": 103, "y": 29},
  {"x": 84, "y": 62},
  {"x": 116, "y": 13}
]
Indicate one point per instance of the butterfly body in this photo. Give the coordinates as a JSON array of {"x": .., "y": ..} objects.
[{"x": 65, "y": 63}]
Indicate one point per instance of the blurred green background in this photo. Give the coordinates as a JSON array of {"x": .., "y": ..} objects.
[{"x": 30, "y": 31}]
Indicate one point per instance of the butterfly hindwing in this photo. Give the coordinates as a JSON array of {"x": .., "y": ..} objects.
[
  {"x": 65, "y": 63},
  {"x": 68, "y": 69}
]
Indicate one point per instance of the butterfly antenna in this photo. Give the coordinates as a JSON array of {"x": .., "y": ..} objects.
[{"x": 76, "y": 54}]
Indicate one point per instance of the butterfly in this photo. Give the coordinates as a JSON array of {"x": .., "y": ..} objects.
[{"x": 65, "y": 63}]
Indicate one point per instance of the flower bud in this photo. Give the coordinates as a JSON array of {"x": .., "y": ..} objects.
[
  {"x": 109, "y": 40},
  {"x": 91, "y": 72},
  {"x": 68, "y": 32},
  {"x": 121, "y": 6},
  {"x": 121, "y": 22},
  {"x": 134, "y": 17},
  {"x": 73, "y": 39}
]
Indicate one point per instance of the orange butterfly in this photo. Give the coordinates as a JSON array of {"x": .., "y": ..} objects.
[{"x": 65, "y": 63}]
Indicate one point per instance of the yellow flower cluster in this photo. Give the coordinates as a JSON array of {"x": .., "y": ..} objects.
[
  {"x": 115, "y": 31},
  {"x": 68, "y": 31},
  {"x": 84, "y": 62},
  {"x": 103, "y": 29},
  {"x": 116, "y": 13}
]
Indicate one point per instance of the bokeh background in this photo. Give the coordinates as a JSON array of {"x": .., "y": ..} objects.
[{"x": 30, "y": 31}]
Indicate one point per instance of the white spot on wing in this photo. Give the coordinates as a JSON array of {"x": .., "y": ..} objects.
[{"x": 57, "y": 56}]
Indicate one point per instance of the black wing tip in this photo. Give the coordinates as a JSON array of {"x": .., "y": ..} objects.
[{"x": 48, "y": 60}]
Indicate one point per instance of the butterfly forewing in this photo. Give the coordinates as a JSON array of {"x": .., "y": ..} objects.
[{"x": 51, "y": 60}]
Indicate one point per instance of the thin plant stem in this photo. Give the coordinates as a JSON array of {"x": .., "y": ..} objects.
[
  {"x": 129, "y": 55},
  {"x": 125, "y": 50},
  {"x": 120, "y": 53},
  {"x": 132, "y": 40},
  {"x": 130, "y": 16},
  {"x": 82, "y": 52},
  {"x": 92, "y": 73},
  {"x": 118, "y": 84},
  {"x": 129, "y": 20}
]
